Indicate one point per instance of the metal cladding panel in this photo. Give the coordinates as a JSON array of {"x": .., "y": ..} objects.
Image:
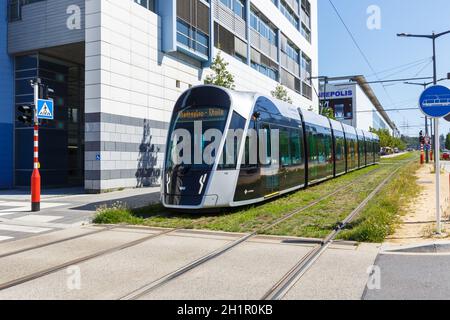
[
  {"x": 47, "y": 24},
  {"x": 7, "y": 105}
]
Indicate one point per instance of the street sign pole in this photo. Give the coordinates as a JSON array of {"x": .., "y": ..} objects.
[
  {"x": 435, "y": 103},
  {"x": 36, "y": 177},
  {"x": 438, "y": 176}
]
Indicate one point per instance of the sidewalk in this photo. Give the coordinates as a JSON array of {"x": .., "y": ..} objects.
[
  {"x": 61, "y": 209},
  {"x": 419, "y": 224}
]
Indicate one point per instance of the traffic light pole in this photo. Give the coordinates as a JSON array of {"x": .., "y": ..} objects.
[{"x": 36, "y": 177}]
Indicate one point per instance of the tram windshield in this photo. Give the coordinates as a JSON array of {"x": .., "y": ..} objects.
[{"x": 196, "y": 134}]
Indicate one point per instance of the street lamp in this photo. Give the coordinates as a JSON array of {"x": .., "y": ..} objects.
[{"x": 433, "y": 37}]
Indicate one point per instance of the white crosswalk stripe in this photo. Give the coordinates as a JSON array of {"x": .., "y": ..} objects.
[
  {"x": 26, "y": 229},
  {"x": 3, "y": 238},
  {"x": 22, "y": 207},
  {"x": 37, "y": 218}
]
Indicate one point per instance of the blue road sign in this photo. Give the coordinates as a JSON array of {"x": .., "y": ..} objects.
[
  {"x": 435, "y": 101},
  {"x": 45, "y": 109}
]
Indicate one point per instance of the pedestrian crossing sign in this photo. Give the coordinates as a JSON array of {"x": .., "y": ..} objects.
[{"x": 45, "y": 109}]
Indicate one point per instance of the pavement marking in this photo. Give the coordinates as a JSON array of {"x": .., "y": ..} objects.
[
  {"x": 3, "y": 238},
  {"x": 26, "y": 207},
  {"x": 25, "y": 229},
  {"x": 38, "y": 218}
]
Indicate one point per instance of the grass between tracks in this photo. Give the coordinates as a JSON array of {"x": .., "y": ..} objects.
[{"x": 375, "y": 222}]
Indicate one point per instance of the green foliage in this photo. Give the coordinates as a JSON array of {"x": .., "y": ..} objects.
[
  {"x": 327, "y": 112},
  {"x": 387, "y": 140},
  {"x": 381, "y": 216},
  {"x": 447, "y": 142},
  {"x": 221, "y": 76},
  {"x": 281, "y": 93}
]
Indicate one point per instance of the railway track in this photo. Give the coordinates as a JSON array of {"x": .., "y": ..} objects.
[
  {"x": 177, "y": 273},
  {"x": 148, "y": 288},
  {"x": 290, "y": 279}
]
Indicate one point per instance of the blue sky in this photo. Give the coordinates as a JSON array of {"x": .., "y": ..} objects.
[{"x": 339, "y": 56}]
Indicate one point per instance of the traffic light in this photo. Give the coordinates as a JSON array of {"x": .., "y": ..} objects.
[
  {"x": 421, "y": 138},
  {"x": 45, "y": 91},
  {"x": 27, "y": 114}
]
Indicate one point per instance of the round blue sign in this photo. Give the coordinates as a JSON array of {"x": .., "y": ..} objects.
[{"x": 435, "y": 102}]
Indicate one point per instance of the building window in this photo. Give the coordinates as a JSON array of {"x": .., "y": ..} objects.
[
  {"x": 193, "y": 27},
  {"x": 229, "y": 43},
  {"x": 289, "y": 14},
  {"x": 237, "y": 6},
  {"x": 305, "y": 15},
  {"x": 149, "y": 4},
  {"x": 265, "y": 70},
  {"x": 192, "y": 38},
  {"x": 263, "y": 28}
]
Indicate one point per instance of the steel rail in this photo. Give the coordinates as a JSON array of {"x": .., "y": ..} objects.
[
  {"x": 146, "y": 289},
  {"x": 290, "y": 279},
  {"x": 47, "y": 244},
  {"x": 59, "y": 267}
]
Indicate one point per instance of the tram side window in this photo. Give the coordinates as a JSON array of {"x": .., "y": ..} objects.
[
  {"x": 327, "y": 144},
  {"x": 285, "y": 156},
  {"x": 342, "y": 148},
  {"x": 296, "y": 147},
  {"x": 265, "y": 133},
  {"x": 250, "y": 160},
  {"x": 312, "y": 144},
  {"x": 233, "y": 146},
  {"x": 321, "y": 147}
]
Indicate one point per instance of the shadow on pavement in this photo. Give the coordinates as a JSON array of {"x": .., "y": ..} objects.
[{"x": 131, "y": 202}]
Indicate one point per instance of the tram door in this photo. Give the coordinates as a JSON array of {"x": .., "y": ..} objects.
[
  {"x": 269, "y": 162},
  {"x": 292, "y": 166}
]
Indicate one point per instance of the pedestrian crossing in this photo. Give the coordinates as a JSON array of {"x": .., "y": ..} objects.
[
  {"x": 13, "y": 207},
  {"x": 24, "y": 225}
]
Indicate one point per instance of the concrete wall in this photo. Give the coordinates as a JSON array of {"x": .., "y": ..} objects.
[
  {"x": 47, "y": 24},
  {"x": 6, "y": 105},
  {"x": 131, "y": 88},
  {"x": 130, "y": 92}
]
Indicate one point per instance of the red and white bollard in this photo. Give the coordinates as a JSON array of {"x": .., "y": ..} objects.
[
  {"x": 422, "y": 154},
  {"x": 36, "y": 177}
]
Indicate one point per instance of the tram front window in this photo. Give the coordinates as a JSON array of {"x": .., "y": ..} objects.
[{"x": 196, "y": 134}]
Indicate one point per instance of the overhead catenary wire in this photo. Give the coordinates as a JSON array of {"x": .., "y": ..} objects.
[
  {"x": 366, "y": 59},
  {"x": 401, "y": 66}
]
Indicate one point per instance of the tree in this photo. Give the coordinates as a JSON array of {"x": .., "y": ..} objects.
[
  {"x": 328, "y": 112},
  {"x": 387, "y": 140},
  {"x": 281, "y": 93},
  {"x": 221, "y": 76},
  {"x": 447, "y": 142}
]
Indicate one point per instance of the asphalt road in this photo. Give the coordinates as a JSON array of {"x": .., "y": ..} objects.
[{"x": 412, "y": 277}]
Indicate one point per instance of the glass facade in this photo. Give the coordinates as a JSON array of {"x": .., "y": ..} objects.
[{"x": 61, "y": 141}]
